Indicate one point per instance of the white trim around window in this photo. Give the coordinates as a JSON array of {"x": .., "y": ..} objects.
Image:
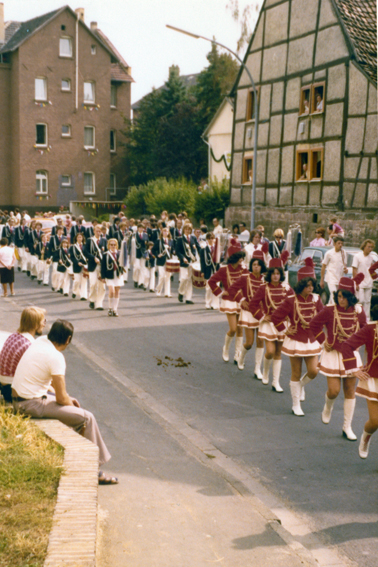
[
  {"x": 89, "y": 92},
  {"x": 89, "y": 137},
  {"x": 40, "y": 88},
  {"x": 66, "y": 85},
  {"x": 65, "y": 180},
  {"x": 113, "y": 184},
  {"x": 89, "y": 183},
  {"x": 65, "y": 47},
  {"x": 41, "y": 135},
  {"x": 113, "y": 141},
  {"x": 66, "y": 130},
  {"x": 41, "y": 178}
]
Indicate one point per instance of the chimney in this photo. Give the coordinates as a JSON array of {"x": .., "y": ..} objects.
[
  {"x": 93, "y": 26},
  {"x": 2, "y": 28},
  {"x": 80, "y": 13}
]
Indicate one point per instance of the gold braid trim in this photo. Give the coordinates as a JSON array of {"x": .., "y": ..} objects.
[
  {"x": 375, "y": 349},
  {"x": 272, "y": 304},
  {"x": 298, "y": 317},
  {"x": 338, "y": 330},
  {"x": 230, "y": 279}
]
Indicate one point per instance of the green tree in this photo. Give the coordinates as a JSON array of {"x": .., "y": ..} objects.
[{"x": 213, "y": 202}]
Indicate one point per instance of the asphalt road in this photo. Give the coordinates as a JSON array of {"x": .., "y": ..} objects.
[{"x": 163, "y": 397}]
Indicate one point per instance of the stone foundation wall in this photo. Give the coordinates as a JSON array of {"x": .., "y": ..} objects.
[{"x": 357, "y": 225}]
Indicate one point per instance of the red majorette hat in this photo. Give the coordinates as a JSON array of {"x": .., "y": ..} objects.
[
  {"x": 258, "y": 255},
  {"x": 372, "y": 269},
  {"x": 233, "y": 247},
  {"x": 281, "y": 261},
  {"x": 307, "y": 271},
  {"x": 349, "y": 284}
]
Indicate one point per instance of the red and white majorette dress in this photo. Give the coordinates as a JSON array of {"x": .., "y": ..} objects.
[
  {"x": 341, "y": 324},
  {"x": 224, "y": 278},
  {"x": 367, "y": 336},
  {"x": 267, "y": 300},
  {"x": 244, "y": 289},
  {"x": 299, "y": 339}
]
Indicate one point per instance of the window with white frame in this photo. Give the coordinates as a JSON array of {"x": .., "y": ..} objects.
[
  {"x": 89, "y": 92},
  {"x": 65, "y": 47},
  {"x": 66, "y": 130},
  {"x": 113, "y": 184},
  {"x": 89, "y": 137},
  {"x": 65, "y": 180},
  {"x": 89, "y": 183},
  {"x": 93, "y": 49},
  {"x": 112, "y": 140},
  {"x": 41, "y": 182},
  {"x": 113, "y": 96},
  {"x": 66, "y": 85},
  {"x": 41, "y": 135},
  {"x": 40, "y": 88}
]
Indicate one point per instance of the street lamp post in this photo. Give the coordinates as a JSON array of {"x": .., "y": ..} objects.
[{"x": 255, "y": 113}]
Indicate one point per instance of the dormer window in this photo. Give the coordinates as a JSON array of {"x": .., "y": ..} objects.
[{"x": 65, "y": 47}]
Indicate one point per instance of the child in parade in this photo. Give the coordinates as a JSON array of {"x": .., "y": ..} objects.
[
  {"x": 64, "y": 269},
  {"x": 80, "y": 267},
  {"x": 242, "y": 291},
  {"x": 112, "y": 273},
  {"x": 342, "y": 320},
  {"x": 44, "y": 261},
  {"x": 263, "y": 304},
  {"x": 162, "y": 250},
  {"x": 208, "y": 268},
  {"x": 149, "y": 269},
  {"x": 220, "y": 283},
  {"x": 299, "y": 343}
]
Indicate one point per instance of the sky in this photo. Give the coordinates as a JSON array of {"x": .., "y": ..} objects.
[{"x": 137, "y": 29}]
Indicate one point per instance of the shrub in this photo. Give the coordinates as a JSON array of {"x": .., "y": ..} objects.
[
  {"x": 213, "y": 201},
  {"x": 161, "y": 194}
]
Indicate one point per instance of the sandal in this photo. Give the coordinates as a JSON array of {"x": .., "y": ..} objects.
[{"x": 104, "y": 479}]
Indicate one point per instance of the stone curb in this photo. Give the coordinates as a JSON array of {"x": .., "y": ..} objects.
[{"x": 72, "y": 540}]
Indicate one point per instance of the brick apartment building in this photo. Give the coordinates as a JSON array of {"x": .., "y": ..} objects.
[{"x": 64, "y": 90}]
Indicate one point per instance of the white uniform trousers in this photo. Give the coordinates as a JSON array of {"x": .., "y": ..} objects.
[
  {"x": 364, "y": 297},
  {"x": 43, "y": 269},
  {"x": 54, "y": 275},
  {"x": 63, "y": 281},
  {"x": 28, "y": 261},
  {"x": 80, "y": 286},
  {"x": 33, "y": 265},
  {"x": 186, "y": 284},
  {"x": 164, "y": 281},
  {"x": 332, "y": 288},
  {"x": 96, "y": 287},
  {"x": 149, "y": 277},
  {"x": 22, "y": 263},
  {"x": 211, "y": 300},
  {"x": 138, "y": 271}
]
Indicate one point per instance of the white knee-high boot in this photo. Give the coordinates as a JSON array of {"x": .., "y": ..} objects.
[
  {"x": 258, "y": 358},
  {"x": 327, "y": 410},
  {"x": 295, "y": 389},
  {"x": 276, "y": 387},
  {"x": 266, "y": 368},
  {"x": 304, "y": 381},
  {"x": 241, "y": 358},
  {"x": 226, "y": 348},
  {"x": 349, "y": 406},
  {"x": 238, "y": 347},
  {"x": 363, "y": 449}
]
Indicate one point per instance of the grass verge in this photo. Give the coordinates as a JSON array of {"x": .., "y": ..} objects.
[{"x": 30, "y": 468}]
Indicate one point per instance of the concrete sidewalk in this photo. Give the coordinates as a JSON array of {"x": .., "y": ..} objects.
[{"x": 169, "y": 508}]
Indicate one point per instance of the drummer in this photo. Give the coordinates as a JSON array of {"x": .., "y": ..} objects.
[{"x": 207, "y": 270}]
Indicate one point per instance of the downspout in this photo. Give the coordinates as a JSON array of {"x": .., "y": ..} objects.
[{"x": 77, "y": 63}]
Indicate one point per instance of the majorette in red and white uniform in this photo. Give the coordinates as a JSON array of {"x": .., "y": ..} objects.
[
  {"x": 368, "y": 387},
  {"x": 341, "y": 322},
  {"x": 220, "y": 283},
  {"x": 242, "y": 291},
  {"x": 299, "y": 341}
]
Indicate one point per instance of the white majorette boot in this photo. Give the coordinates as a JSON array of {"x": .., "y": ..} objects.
[
  {"x": 241, "y": 358},
  {"x": 303, "y": 381},
  {"x": 349, "y": 406},
  {"x": 295, "y": 389},
  {"x": 276, "y": 376},
  {"x": 238, "y": 347},
  {"x": 267, "y": 365},
  {"x": 258, "y": 358},
  {"x": 226, "y": 348},
  {"x": 327, "y": 410},
  {"x": 363, "y": 449}
]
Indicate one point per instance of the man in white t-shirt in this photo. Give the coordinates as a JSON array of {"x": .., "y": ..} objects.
[
  {"x": 42, "y": 369},
  {"x": 243, "y": 229},
  {"x": 217, "y": 230},
  {"x": 361, "y": 264},
  {"x": 333, "y": 267}
]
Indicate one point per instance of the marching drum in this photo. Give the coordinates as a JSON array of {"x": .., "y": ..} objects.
[
  {"x": 199, "y": 281},
  {"x": 172, "y": 266}
]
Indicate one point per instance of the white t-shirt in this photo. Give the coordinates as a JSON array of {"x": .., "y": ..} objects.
[
  {"x": 363, "y": 263},
  {"x": 334, "y": 262},
  {"x": 37, "y": 366},
  {"x": 218, "y": 230}
]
